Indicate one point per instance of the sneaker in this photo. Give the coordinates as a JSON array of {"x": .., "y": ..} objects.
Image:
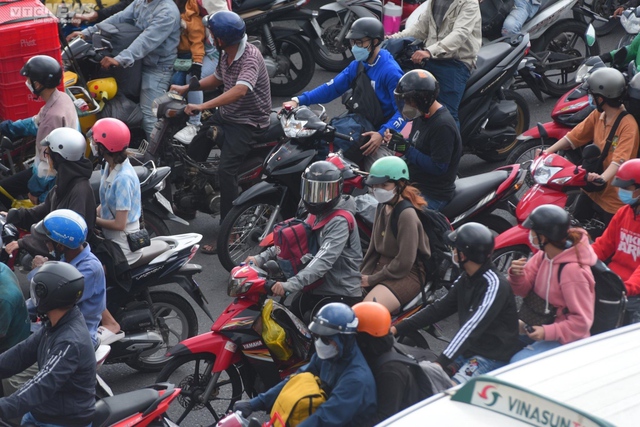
[{"x": 187, "y": 134}]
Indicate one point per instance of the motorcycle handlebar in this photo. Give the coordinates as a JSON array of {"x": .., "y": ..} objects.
[{"x": 342, "y": 136}]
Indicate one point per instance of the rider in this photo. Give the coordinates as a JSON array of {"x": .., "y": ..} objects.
[
  {"x": 156, "y": 47},
  {"x": 245, "y": 105},
  {"x": 44, "y": 75},
  {"x": 522, "y": 11},
  {"x": 341, "y": 368},
  {"x": 607, "y": 87},
  {"x": 339, "y": 255},
  {"x": 485, "y": 304},
  {"x": 393, "y": 273},
  {"x": 452, "y": 34},
  {"x": 64, "y": 149},
  {"x": 63, "y": 391},
  {"x": 436, "y": 146},
  {"x": 572, "y": 296},
  {"x": 365, "y": 35},
  {"x": 619, "y": 240},
  {"x": 14, "y": 321}
]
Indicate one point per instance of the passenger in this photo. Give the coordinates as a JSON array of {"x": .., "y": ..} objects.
[
  {"x": 339, "y": 255},
  {"x": 14, "y": 320},
  {"x": 522, "y": 11},
  {"x": 340, "y": 366},
  {"x": 393, "y": 273},
  {"x": 568, "y": 292},
  {"x": 488, "y": 334},
  {"x": 619, "y": 242}
]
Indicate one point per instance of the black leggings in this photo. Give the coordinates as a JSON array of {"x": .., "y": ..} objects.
[
  {"x": 305, "y": 305},
  {"x": 587, "y": 209}
]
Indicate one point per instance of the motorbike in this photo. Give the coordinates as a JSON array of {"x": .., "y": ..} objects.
[
  {"x": 604, "y": 8},
  {"x": 491, "y": 115},
  {"x": 630, "y": 20}
]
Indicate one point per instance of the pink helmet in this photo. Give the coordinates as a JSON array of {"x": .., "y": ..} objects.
[{"x": 113, "y": 134}]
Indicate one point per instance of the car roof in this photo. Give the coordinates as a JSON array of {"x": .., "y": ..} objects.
[{"x": 596, "y": 379}]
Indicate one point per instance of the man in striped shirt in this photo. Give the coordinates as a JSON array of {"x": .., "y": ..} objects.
[{"x": 486, "y": 308}]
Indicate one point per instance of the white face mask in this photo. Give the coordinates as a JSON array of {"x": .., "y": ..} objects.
[
  {"x": 28, "y": 83},
  {"x": 454, "y": 259},
  {"x": 382, "y": 195},
  {"x": 325, "y": 351},
  {"x": 532, "y": 240}
]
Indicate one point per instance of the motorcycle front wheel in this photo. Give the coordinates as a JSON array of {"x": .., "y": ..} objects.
[
  {"x": 502, "y": 257},
  {"x": 192, "y": 373},
  {"x": 242, "y": 228},
  {"x": 334, "y": 56},
  {"x": 175, "y": 320},
  {"x": 295, "y": 66}
]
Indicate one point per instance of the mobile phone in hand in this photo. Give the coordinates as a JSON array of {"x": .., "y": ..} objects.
[{"x": 528, "y": 328}]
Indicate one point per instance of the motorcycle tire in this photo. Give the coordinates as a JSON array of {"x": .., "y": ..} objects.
[
  {"x": 193, "y": 381},
  {"x": 154, "y": 224},
  {"x": 605, "y": 8},
  {"x": 332, "y": 56},
  {"x": 255, "y": 214},
  {"x": 300, "y": 58},
  {"x": 502, "y": 257},
  {"x": 552, "y": 42},
  {"x": 174, "y": 303},
  {"x": 524, "y": 152},
  {"x": 521, "y": 124}
]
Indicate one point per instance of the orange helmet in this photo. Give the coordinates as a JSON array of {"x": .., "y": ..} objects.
[{"x": 373, "y": 318}]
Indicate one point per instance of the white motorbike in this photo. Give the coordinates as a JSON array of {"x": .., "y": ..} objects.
[{"x": 630, "y": 20}]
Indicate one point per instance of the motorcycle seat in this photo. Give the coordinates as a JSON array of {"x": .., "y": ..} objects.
[
  {"x": 246, "y": 5},
  {"x": 112, "y": 409},
  {"x": 488, "y": 57},
  {"x": 471, "y": 190},
  {"x": 156, "y": 248},
  {"x": 546, "y": 3},
  {"x": 274, "y": 132},
  {"x": 142, "y": 172}
]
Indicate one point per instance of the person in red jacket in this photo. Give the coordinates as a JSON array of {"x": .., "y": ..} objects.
[{"x": 620, "y": 242}]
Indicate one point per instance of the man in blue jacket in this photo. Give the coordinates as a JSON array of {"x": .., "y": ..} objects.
[
  {"x": 365, "y": 35},
  {"x": 341, "y": 367}
]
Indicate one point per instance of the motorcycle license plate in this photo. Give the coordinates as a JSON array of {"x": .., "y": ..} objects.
[{"x": 164, "y": 202}]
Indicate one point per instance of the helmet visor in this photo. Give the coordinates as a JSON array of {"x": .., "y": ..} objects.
[
  {"x": 32, "y": 292},
  {"x": 315, "y": 192}
]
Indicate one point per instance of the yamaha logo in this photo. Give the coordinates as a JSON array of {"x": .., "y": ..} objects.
[{"x": 252, "y": 345}]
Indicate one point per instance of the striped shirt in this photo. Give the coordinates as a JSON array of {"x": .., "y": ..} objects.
[{"x": 248, "y": 68}]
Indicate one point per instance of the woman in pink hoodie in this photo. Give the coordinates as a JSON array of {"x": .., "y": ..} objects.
[{"x": 570, "y": 290}]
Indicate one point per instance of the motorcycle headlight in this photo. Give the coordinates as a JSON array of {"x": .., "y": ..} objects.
[
  {"x": 295, "y": 128},
  {"x": 583, "y": 73},
  {"x": 154, "y": 108},
  {"x": 543, "y": 174},
  {"x": 238, "y": 286}
]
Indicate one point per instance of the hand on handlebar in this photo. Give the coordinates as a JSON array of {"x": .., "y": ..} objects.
[
  {"x": 278, "y": 290},
  {"x": 595, "y": 178},
  {"x": 74, "y": 35},
  {"x": 108, "y": 62},
  {"x": 192, "y": 109},
  {"x": 618, "y": 12},
  {"x": 180, "y": 90},
  {"x": 85, "y": 17},
  {"x": 420, "y": 55}
]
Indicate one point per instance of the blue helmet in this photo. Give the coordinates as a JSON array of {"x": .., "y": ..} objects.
[
  {"x": 65, "y": 227},
  {"x": 334, "y": 318},
  {"x": 227, "y": 26}
]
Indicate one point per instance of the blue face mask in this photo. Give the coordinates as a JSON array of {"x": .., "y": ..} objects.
[
  {"x": 626, "y": 197},
  {"x": 592, "y": 102},
  {"x": 360, "y": 53}
]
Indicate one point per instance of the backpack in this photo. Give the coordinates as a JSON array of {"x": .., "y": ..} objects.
[
  {"x": 611, "y": 299},
  {"x": 435, "y": 225},
  {"x": 296, "y": 239},
  {"x": 299, "y": 399}
]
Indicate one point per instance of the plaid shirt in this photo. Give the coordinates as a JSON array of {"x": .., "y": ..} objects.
[{"x": 120, "y": 191}]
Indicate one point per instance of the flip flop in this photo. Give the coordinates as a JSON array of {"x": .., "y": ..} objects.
[
  {"x": 107, "y": 337},
  {"x": 209, "y": 250}
]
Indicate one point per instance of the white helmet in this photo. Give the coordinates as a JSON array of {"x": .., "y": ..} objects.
[
  {"x": 630, "y": 20},
  {"x": 67, "y": 142}
]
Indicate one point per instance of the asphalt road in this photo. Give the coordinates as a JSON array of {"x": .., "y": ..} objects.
[{"x": 213, "y": 279}]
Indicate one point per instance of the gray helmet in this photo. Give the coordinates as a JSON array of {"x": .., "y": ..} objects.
[
  {"x": 366, "y": 27},
  {"x": 634, "y": 87},
  {"x": 67, "y": 142},
  {"x": 606, "y": 82}
]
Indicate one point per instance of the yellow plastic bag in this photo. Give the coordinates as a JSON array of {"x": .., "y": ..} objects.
[
  {"x": 273, "y": 335},
  {"x": 299, "y": 398}
]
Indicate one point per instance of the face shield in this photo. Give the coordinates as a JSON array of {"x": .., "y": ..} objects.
[{"x": 318, "y": 192}]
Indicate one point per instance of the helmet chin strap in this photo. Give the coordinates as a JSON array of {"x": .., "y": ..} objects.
[
  {"x": 540, "y": 244},
  {"x": 373, "y": 49}
]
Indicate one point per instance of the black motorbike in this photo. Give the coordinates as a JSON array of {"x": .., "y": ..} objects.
[{"x": 491, "y": 116}]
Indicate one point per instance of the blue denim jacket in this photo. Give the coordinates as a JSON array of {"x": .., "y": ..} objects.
[{"x": 157, "y": 45}]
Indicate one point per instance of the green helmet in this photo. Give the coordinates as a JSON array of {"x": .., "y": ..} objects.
[{"x": 389, "y": 168}]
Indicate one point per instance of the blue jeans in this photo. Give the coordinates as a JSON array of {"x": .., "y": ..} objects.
[
  {"x": 533, "y": 348},
  {"x": 473, "y": 367},
  {"x": 29, "y": 419},
  {"x": 155, "y": 82},
  {"x": 209, "y": 64},
  {"x": 435, "y": 204},
  {"x": 452, "y": 76},
  {"x": 522, "y": 11},
  {"x": 632, "y": 312}
]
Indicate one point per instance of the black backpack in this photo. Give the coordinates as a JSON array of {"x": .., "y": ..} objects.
[
  {"x": 611, "y": 298},
  {"x": 435, "y": 225},
  {"x": 426, "y": 390}
]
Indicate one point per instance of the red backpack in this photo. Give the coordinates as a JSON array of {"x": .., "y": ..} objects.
[{"x": 295, "y": 238}]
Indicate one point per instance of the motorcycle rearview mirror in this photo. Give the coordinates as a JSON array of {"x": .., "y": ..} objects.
[
  {"x": 543, "y": 133},
  {"x": 106, "y": 44},
  {"x": 591, "y": 152},
  {"x": 590, "y": 35},
  {"x": 273, "y": 268}
]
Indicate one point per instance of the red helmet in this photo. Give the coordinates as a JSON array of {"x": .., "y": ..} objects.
[
  {"x": 628, "y": 174},
  {"x": 113, "y": 134}
]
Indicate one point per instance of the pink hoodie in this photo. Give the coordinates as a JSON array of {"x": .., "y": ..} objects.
[{"x": 575, "y": 292}]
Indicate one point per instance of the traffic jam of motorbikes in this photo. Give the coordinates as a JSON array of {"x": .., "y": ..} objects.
[{"x": 313, "y": 213}]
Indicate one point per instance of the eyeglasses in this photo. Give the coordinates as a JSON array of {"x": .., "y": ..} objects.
[
  {"x": 360, "y": 43},
  {"x": 325, "y": 340}
]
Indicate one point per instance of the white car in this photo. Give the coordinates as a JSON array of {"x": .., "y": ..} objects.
[{"x": 592, "y": 382}]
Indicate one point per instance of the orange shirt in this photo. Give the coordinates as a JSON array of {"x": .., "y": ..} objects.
[{"x": 624, "y": 147}]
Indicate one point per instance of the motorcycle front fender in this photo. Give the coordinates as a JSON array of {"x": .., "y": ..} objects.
[
  {"x": 333, "y": 7},
  {"x": 225, "y": 350},
  {"x": 282, "y": 32},
  {"x": 515, "y": 236},
  {"x": 262, "y": 188},
  {"x": 153, "y": 205}
]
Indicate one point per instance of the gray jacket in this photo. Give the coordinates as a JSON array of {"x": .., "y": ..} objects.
[
  {"x": 338, "y": 259},
  {"x": 157, "y": 45}
]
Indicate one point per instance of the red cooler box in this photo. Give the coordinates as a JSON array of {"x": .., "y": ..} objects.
[{"x": 27, "y": 28}]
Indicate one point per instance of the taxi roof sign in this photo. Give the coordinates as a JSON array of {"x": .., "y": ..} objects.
[{"x": 524, "y": 405}]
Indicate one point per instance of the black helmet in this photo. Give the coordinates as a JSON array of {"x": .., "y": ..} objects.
[
  {"x": 366, "y": 27},
  {"x": 550, "y": 221},
  {"x": 44, "y": 70},
  {"x": 474, "y": 240},
  {"x": 56, "y": 285},
  {"x": 419, "y": 87},
  {"x": 321, "y": 187}
]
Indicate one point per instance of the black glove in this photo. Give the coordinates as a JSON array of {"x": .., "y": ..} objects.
[
  {"x": 196, "y": 70},
  {"x": 397, "y": 142},
  {"x": 12, "y": 216},
  {"x": 244, "y": 407}
]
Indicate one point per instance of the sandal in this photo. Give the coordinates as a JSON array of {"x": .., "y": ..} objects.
[{"x": 209, "y": 250}]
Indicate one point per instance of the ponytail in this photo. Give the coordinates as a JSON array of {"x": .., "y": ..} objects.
[{"x": 412, "y": 194}]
